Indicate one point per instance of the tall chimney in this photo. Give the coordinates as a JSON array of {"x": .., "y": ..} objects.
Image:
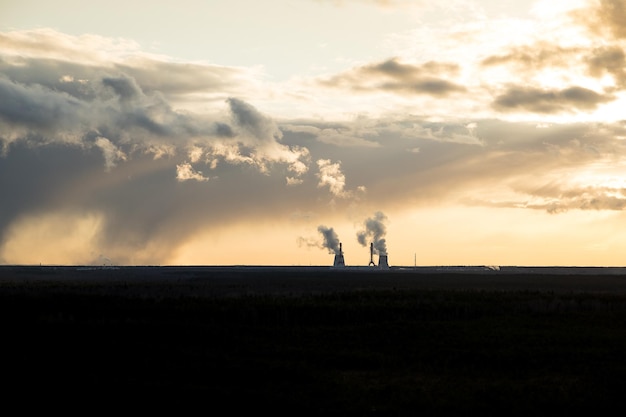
[{"x": 372, "y": 255}]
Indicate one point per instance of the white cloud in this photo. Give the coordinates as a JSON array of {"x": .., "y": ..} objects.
[
  {"x": 185, "y": 172},
  {"x": 112, "y": 154},
  {"x": 294, "y": 181},
  {"x": 195, "y": 153},
  {"x": 330, "y": 176}
]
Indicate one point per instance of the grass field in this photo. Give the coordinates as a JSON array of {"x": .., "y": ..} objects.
[{"x": 364, "y": 351}]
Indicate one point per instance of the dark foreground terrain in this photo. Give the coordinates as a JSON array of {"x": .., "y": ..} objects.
[{"x": 317, "y": 341}]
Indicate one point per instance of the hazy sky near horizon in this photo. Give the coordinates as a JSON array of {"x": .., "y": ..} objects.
[{"x": 243, "y": 132}]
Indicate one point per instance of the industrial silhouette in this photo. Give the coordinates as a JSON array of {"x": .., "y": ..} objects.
[
  {"x": 339, "y": 261},
  {"x": 383, "y": 262}
]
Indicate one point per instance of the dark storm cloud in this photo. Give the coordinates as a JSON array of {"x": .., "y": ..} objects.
[
  {"x": 56, "y": 75},
  {"x": 394, "y": 76},
  {"x": 135, "y": 117},
  {"x": 67, "y": 98},
  {"x": 252, "y": 121},
  {"x": 549, "y": 101},
  {"x": 83, "y": 138},
  {"x": 78, "y": 79},
  {"x": 31, "y": 180},
  {"x": 223, "y": 130},
  {"x": 142, "y": 203},
  {"x": 58, "y": 116},
  {"x": 125, "y": 87},
  {"x": 37, "y": 107},
  {"x": 144, "y": 206}
]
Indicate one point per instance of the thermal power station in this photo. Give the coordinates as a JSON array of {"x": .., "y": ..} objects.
[
  {"x": 339, "y": 261},
  {"x": 383, "y": 261}
]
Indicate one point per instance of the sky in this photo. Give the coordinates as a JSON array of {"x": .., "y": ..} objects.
[{"x": 264, "y": 133}]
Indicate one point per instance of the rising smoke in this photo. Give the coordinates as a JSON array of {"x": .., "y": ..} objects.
[
  {"x": 375, "y": 232},
  {"x": 331, "y": 240}
]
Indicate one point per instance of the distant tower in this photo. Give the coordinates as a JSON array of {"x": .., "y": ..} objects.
[
  {"x": 339, "y": 261},
  {"x": 372, "y": 255},
  {"x": 382, "y": 261}
]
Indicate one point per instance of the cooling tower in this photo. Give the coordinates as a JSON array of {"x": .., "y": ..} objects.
[
  {"x": 382, "y": 261},
  {"x": 339, "y": 261}
]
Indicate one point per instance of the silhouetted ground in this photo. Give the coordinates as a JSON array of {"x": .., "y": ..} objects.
[{"x": 317, "y": 341}]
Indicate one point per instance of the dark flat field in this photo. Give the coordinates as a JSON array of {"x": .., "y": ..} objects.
[
  {"x": 318, "y": 340},
  {"x": 217, "y": 281}
]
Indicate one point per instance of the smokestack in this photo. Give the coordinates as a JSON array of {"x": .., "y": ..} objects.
[
  {"x": 372, "y": 255},
  {"x": 339, "y": 261}
]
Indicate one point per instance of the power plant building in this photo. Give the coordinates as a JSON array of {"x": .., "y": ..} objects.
[
  {"x": 339, "y": 261},
  {"x": 382, "y": 261}
]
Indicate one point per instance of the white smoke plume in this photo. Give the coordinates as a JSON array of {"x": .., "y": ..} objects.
[
  {"x": 375, "y": 231},
  {"x": 331, "y": 240}
]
